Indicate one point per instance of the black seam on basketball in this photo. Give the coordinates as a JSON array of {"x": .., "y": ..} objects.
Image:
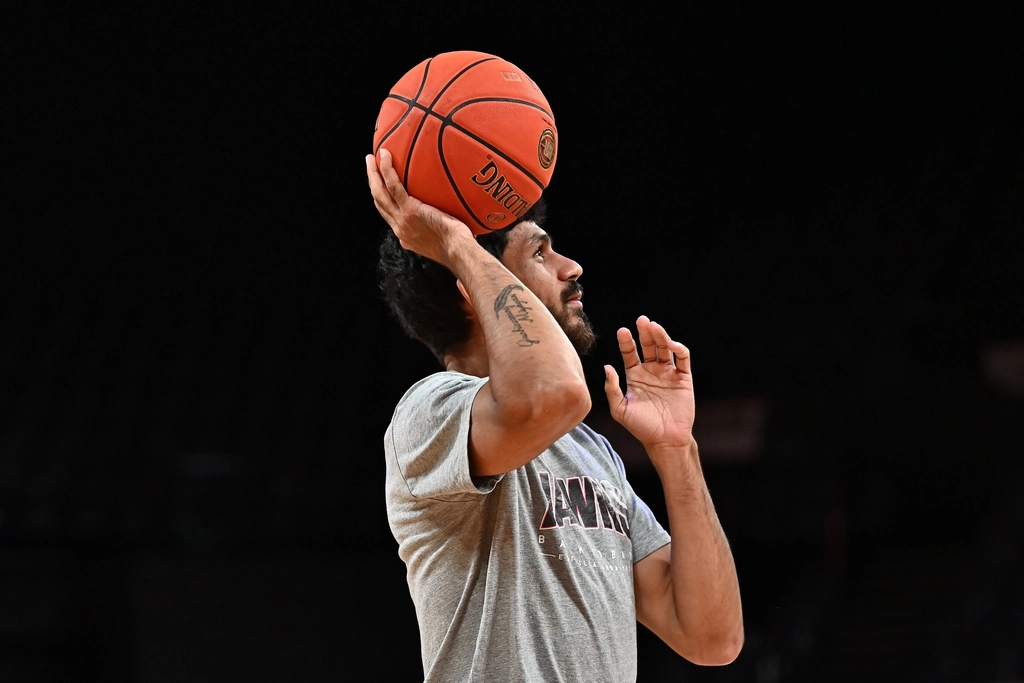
[
  {"x": 448, "y": 121},
  {"x": 499, "y": 99},
  {"x": 412, "y": 145},
  {"x": 451, "y": 180},
  {"x": 433, "y": 113},
  {"x": 455, "y": 78},
  {"x": 380, "y": 143},
  {"x": 430, "y": 110},
  {"x": 423, "y": 82},
  {"x": 497, "y": 151}
]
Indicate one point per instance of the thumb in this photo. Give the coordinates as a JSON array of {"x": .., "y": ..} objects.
[{"x": 612, "y": 390}]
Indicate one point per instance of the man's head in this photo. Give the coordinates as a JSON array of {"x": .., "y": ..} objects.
[{"x": 425, "y": 299}]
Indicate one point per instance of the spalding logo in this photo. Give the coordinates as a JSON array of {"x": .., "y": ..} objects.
[
  {"x": 492, "y": 181},
  {"x": 546, "y": 148}
]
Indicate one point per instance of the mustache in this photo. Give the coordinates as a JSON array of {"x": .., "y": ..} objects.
[{"x": 571, "y": 290}]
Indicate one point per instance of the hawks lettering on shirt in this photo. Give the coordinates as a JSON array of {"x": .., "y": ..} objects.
[{"x": 585, "y": 502}]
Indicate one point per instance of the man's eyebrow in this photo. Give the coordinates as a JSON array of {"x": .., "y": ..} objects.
[{"x": 542, "y": 238}]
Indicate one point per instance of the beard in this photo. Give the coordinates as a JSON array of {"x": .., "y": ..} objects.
[
  {"x": 574, "y": 322},
  {"x": 577, "y": 328}
]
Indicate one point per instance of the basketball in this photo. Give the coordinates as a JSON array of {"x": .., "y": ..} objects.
[{"x": 471, "y": 134}]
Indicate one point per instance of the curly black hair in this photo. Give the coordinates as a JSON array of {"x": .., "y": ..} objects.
[{"x": 422, "y": 294}]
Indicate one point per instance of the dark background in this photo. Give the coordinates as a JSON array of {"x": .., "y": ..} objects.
[{"x": 196, "y": 369}]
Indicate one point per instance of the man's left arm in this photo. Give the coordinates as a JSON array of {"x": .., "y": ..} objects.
[{"x": 687, "y": 592}]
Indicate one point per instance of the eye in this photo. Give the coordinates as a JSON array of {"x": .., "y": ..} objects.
[{"x": 539, "y": 251}]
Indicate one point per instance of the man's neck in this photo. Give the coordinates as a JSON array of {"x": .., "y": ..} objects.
[
  {"x": 468, "y": 365},
  {"x": 471, "y": 359}
]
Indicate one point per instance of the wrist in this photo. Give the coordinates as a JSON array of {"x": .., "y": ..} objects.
[
  {"x": 681, "y": 444},
  {"x": 682, "y": 454},
  {"x": 457, "y": 247}
]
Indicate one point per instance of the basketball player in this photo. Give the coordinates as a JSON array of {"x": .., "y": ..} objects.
[{"x": 529, "y": 557}]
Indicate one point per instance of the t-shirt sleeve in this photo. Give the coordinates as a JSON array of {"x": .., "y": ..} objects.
[
  {"x": 645, "y": 531},
  {"x": 429, "y": 437}
]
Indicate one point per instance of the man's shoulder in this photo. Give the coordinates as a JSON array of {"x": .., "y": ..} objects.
[
  {"x": 439, "y": 384},
  {"x": 436, "y": 396},
  {"x": 583, "y": 433},
  {"x": 596, "y": 446}
]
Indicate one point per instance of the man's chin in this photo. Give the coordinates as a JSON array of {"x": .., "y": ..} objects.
[
  {"x": 576, "y": 325},
  {"x": 581, "y": 334}
]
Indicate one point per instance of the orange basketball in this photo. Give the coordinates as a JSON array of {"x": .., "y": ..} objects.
[{"x": 471, "y": 134}]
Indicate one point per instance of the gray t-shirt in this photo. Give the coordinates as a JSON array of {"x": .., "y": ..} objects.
[{"x": 521, "y": 577}]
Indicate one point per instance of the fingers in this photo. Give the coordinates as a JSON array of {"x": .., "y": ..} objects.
[
  {"x": 391, "y": 180},
  {"x": 657, "y": 345},
  {"x": 382, "y": 199},
  {"x": 612, "y": 390},
  {"x": 627, "y": 347},
  {"x": 662, "y": 343},
  {"x": 643, "y": 328},
  {"x": 682, "y": 357}
]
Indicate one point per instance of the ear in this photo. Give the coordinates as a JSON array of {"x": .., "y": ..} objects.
[
  {"x": 467, "y": 303},
  {"x": 465, "y": 294}
]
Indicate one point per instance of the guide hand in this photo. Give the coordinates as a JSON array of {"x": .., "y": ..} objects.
[{"x": 419, "y": 227}]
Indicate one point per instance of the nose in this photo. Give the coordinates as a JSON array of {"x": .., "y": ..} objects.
[{"x": 570, "y": 269}]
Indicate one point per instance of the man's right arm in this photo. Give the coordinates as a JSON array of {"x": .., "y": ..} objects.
[{"x": 536, "y": 390}]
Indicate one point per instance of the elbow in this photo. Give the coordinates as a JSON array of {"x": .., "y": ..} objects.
[
  {"x": 558, "y": 406},
  {"x": 723, "y": 652},
  {"x": 568, "y": 404},
  {"x": 713, "y": 650},
  {"x": 578, "y": 402}
]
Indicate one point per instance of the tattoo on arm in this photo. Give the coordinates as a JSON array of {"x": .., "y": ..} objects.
[{"x": 517, "y": 311}]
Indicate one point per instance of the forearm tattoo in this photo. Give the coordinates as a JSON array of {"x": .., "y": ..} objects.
[{"x": 517, "y": 311}]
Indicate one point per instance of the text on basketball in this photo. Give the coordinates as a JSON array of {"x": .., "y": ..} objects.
[{"x": 493, "y": 182}]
